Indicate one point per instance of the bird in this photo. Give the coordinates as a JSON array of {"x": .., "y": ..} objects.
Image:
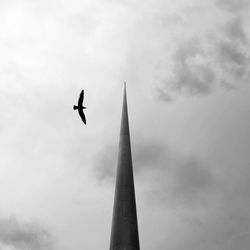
[{"x": 80, "y": 107}]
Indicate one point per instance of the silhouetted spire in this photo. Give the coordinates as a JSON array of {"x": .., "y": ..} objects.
[
  {"x": 124, "y": 122},
  {"x": 124, "y": 232}
]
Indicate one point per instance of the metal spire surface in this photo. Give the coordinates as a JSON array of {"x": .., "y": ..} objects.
[{"x": 124, "y": 232}]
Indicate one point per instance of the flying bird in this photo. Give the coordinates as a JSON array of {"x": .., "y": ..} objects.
[{"x": 80, "y": 107}]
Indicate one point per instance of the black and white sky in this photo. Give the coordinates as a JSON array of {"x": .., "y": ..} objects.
[{"x": 187, "y": 68}]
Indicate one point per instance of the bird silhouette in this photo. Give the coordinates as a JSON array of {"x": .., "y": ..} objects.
[{"x": 80, "y": 107}]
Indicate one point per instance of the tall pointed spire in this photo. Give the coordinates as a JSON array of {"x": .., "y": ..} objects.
[{"x": 124, "y": 232}]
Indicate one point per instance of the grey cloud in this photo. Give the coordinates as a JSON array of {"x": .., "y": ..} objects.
[
  {"x": 232, "y": 59},
  {"x": 227, "y": 85},
  {"x": 235, "y": 32},
  {"x": 192, "y": 73},
  {"x": 179, "y": 179},
  {"x": 189, "y": 182},
  {"x": 192, "y": 177},
  {"x": 191, "y": 76},
  {"x": 232, "y": 50},
  {"x": 217, "y": 230},
  {"x": 219, "y": 225},
  {"x": 163, "y": 95},
  {"x": 149, "y": 153},
  {"x": 233, "y": 5},
  {"x": 200, "y": 65},
  {"x": 217, "y": 215},
  {"x": 23, "y": 235},
  {"x": 212, "y": 205}
]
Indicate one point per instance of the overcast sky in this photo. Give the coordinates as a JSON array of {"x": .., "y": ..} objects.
[{"x": 187, "y": 68}]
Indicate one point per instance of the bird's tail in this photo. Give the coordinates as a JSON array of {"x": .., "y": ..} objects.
[{"x": 75, "y": 107}]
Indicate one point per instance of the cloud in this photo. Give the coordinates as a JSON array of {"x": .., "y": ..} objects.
[
  {"x": 149, "y": 153},
  {"x": 197, "y": 71},
  {"x": 163, "y": 96},
  {"x": 22, "y": 235},
  {"x": 188, "y": 182},
  {"x": 232, "y": 50},
  {"x": 205, "y": 60},
  {"x": 217, "y": 230},
  {"x": 235, "y": 31},
  {"x": 191, "y": 177},
  {"x": 192, "y": 73},
  {"x": 175, "y": 178},
  {"x": 211, "y": 209},
  {"x": 233, "y": 5},
  {"x": 220, "y": 224}
]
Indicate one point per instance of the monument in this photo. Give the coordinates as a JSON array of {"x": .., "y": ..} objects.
[{"x": 124, "y": 231}]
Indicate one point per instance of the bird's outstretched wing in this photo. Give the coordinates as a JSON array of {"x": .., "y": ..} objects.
[
  {"x": 80, "y": 111},
  {"x": 80, "y": 100}
]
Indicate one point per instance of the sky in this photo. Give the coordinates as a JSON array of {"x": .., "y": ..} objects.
[{"x": 187, "y": 68}]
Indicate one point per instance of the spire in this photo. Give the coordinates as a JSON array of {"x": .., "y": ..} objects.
[
  {"x": 124, "y": 232},
  {"x": 124, "y": 122}
]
